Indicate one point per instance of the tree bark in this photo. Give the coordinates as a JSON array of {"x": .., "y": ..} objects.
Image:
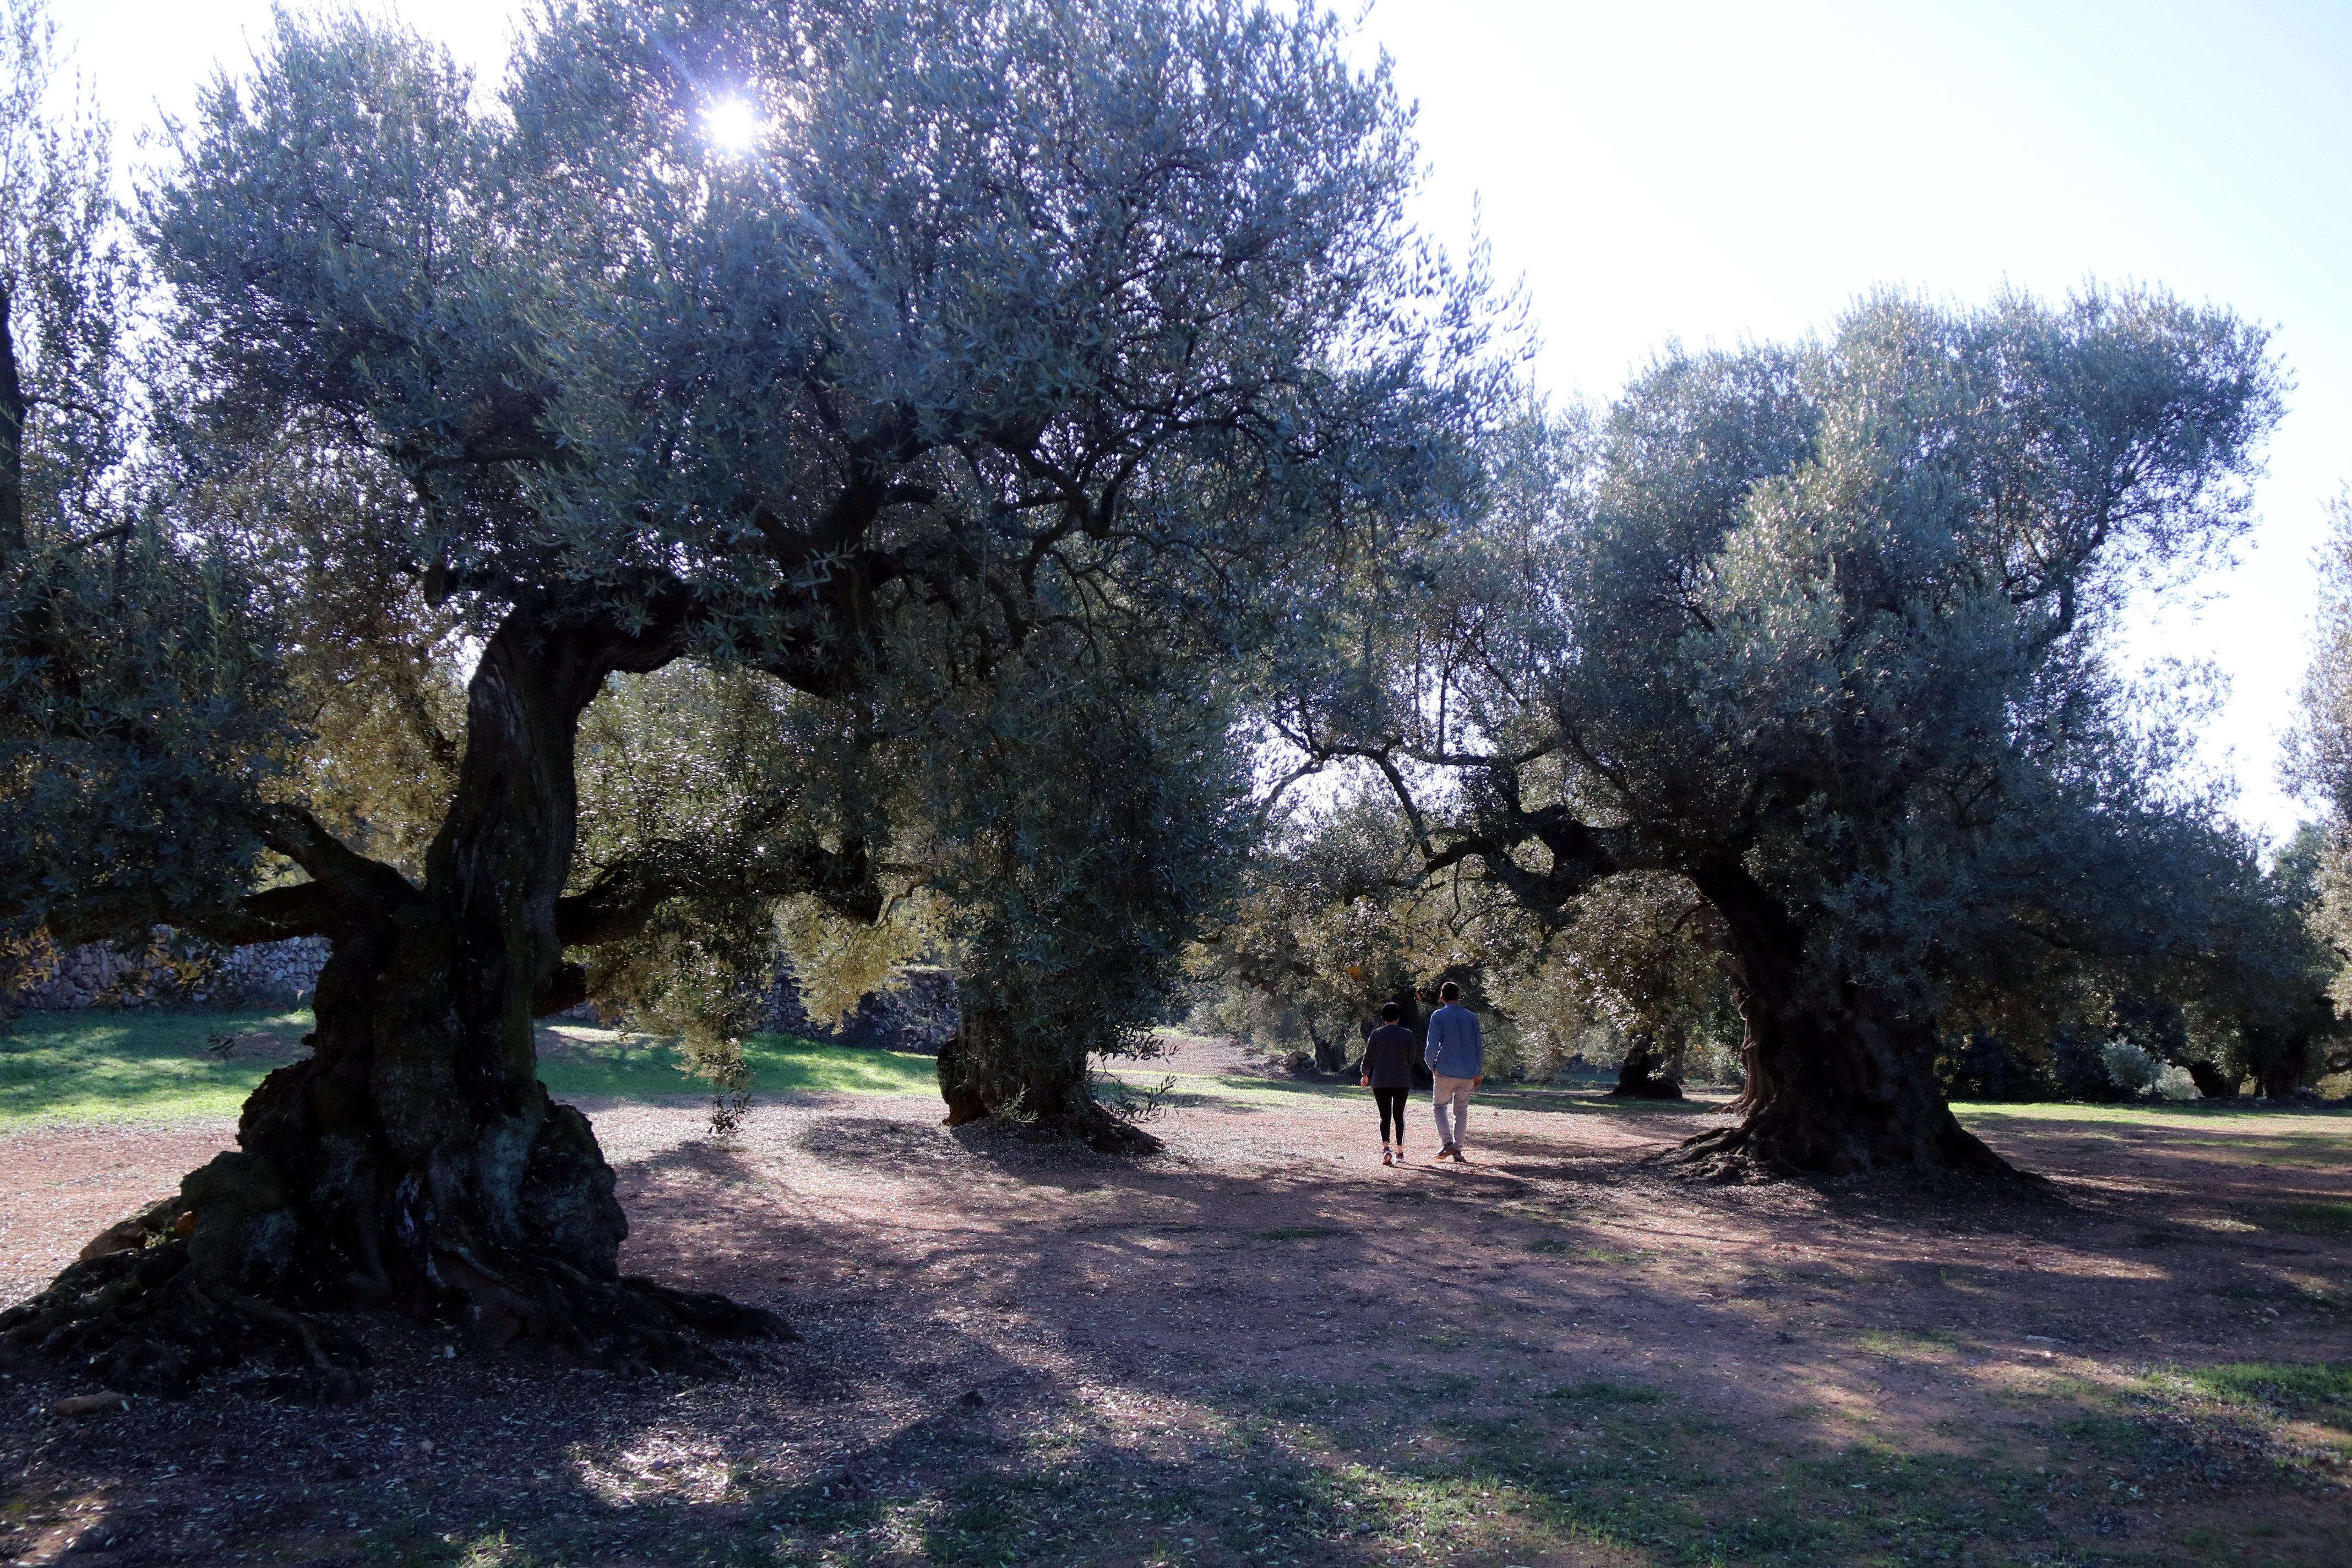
[
  {"x": 2279, "y": 1079},
  {"x": 414, "y": 1160},
  {"x": 987, "y": 1068},
  {"x": 12, "y": 441},
  {"x": 1645, "y": 1074},
  {"x": 2211, "y": 1081},
  {"x": 1838, "y": 1083},
  {"x": 1330, "y": 1050},
  {"x": 1412, "y": 1002}
]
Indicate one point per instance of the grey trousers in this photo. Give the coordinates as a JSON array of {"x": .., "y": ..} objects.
[{"x": 1454, "y": 1092}]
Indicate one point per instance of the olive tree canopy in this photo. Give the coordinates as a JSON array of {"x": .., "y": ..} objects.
[
  {"x": 1019, "y": 333},
  {"x": 1823, "y": 630}
]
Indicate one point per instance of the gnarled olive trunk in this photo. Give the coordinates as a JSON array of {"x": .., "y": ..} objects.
[
  {"x": 427, "y": 1160},
  {"x": 1838, "y": 1082},
  {"x": 413, "y": 1160},
  {"x": 2211, "y": 1081},
  {"x": 988, "y": 1067},
  {"x": 2279, "y": 1080},
  {"x": 1648, "y": 1073},
  {"x": 1330, "y": 1049}
]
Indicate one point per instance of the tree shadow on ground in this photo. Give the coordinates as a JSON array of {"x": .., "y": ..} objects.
[{"x": 1554, "y": 1357}]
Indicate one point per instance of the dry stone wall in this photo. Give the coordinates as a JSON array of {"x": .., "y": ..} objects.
[
  {"x": 177, "y": 974},
  {"x": 916, "y": 1012}
]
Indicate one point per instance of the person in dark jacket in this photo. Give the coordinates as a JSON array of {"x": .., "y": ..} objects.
[{"x": 1387, "y": 1071}]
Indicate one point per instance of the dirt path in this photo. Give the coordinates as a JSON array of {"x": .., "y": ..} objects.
[{"x": 1264, "y": 1307}]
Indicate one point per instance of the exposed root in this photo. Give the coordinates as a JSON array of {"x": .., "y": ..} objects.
[
  {"x": 139, "y": 1319},
  {"x": 217, "y": 1278},
  {"x": 629, "y": 1325},
  {"x": 1105, "y": 1133},
  {"x": 1753, "y": 1152},
  {"x": 973, "y": 1094}
]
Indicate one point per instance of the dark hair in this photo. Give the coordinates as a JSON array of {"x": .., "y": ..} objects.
[
  {"x": 1391, "y": 1012},
  {"x": 1449, "y": 992}
]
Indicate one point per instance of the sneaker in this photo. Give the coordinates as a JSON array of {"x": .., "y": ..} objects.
[
  {"x": 1385, "y": 1158},
  {"x": 1400, "y": 1158},
  {"x": 1449, "y": 1153}
]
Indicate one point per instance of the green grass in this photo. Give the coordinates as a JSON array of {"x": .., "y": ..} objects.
[
  {"x": 2293, "y": 1388},
  {"x": 1898, "y": 1344},
  {"x": 2310, "y": 1219},
  {"x": 133, "y": 1065},
  {"x": 139, "y": 1065},
  {"x": 1604, "y": 1393},
  {"x": 2169, "y": 1113},
  {"x": 601, "y": 1063}
]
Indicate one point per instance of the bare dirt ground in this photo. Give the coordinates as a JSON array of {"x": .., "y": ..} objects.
[{"x": 1263, "y": 1347}]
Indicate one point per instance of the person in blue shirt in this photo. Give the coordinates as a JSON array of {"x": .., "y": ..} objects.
[{"x": 1456, "y": 1055}]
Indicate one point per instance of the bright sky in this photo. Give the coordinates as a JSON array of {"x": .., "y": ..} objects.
[{"x": 1723, "y": 172}]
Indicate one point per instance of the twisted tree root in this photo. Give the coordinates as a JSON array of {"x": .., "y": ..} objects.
[{"x": 215, "y": 1277}]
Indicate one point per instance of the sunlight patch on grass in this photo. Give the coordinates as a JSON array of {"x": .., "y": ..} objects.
[
  {"x": 2168, "y": 1115},
  {"x": 1904, "y": 1344},
  {"x": 141, "y": 1066},
  {"x": 605, "y": 1064},
  {"x": 137, "y": 1066}
]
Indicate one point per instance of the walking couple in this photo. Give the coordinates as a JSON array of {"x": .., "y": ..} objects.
[{"x": 1456, "y": 1059}]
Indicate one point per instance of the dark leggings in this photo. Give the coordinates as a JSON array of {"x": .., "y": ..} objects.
[{"x": 1392, "y": 1104}]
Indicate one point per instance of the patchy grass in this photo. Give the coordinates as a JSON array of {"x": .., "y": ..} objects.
[
  {"x": 2311, "y": 1219},
  {"x": 2166, "y": 1114},
  {"x": 1905, "y": 1345},
  {"x": 1512, "y": 1370},
  {"x": 1604, "y": 1393},
  {"x": 137, "y": 1066},
  {"x": 2290, "y": 1388},
  {"x": 1594, "y": 1472}
]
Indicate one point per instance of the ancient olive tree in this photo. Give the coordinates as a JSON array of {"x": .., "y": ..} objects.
[
  {"x": 1085, "y": 820},
  {"x": 1822, "y": 633},
  {"x": 1020, "y": 333}
]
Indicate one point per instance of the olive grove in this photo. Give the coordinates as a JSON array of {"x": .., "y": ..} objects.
[
  {"x": 557, "y": 551},
  {"x": 1821, "y": 634},
  {"x": 930, "y": 454}
]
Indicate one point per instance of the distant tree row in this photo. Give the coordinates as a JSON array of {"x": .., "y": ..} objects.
[{"x": 1337, "y": 916}]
